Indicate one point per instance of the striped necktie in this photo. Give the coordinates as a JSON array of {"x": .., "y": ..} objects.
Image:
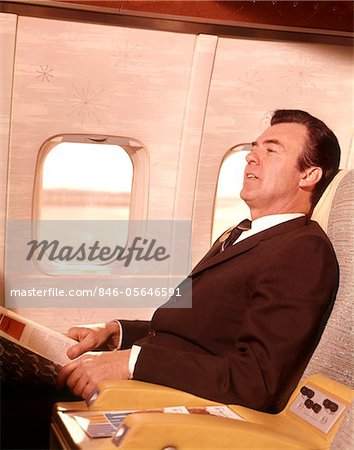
[{"x": 236, "y": 233}]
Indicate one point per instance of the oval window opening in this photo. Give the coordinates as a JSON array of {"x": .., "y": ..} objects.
[
  {"x": 89, "y": 193},
  {"x": 229, "y": 208},
  {"x": 83, "y": 181}
]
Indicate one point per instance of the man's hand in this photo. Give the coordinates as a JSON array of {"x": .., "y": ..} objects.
[
  {"x": 83, "y": 374},
  {"x": 101, "y": 336}
]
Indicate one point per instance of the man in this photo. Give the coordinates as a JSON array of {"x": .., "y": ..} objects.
[{"x": 259, "y": 304}]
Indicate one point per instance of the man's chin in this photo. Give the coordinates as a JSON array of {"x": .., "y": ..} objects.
[
  {"x": 248, "y": 197},
  {"x": 245, "y": 195}
]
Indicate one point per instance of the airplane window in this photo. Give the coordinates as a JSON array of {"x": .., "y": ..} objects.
[
  {"x": 229, "y": 208},
  {"x": 86, "y": 181}
]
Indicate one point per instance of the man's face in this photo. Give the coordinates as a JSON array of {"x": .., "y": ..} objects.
[{"x": 271, "y": 179}]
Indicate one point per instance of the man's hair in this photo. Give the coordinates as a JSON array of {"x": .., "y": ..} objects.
[{"x": 322, "y": 147}]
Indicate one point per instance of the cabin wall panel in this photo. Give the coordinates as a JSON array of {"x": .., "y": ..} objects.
[
  {"x": 87, "y": 78},
  {"x": 201, "y": 73},
  {"x": 251, "y": 78},
  {"x": 8, "y": 23}
]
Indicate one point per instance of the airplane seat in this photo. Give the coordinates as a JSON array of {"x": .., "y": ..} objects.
[
  {"x": 333, "y": 356},
  {"x": 296, "y": 427}
]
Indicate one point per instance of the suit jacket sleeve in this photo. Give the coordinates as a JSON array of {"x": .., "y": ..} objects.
[
  {"x": 133, "y": 330},
  {"x": 290, "y": 305}
]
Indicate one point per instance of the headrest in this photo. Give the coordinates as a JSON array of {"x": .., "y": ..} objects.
[{"x": 323, "y": 207}]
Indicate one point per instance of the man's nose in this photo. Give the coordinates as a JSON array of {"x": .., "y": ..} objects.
[{"x": 252, "y": 157}]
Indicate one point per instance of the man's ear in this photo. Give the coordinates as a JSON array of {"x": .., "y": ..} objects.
[{"x": 310, "y": 177}]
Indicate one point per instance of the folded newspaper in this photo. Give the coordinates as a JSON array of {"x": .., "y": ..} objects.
[{"x": 29, "y": 351}]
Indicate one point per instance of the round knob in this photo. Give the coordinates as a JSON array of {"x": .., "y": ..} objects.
[
  {"x": 327, "y": 403},
  {"x": 304, "y": 390},
  {"x": 317, "y": 408},
  {"x": 308, "y": 403},
  {"x": 333, "y": 407},
  {"x": 309, "y": 393}
]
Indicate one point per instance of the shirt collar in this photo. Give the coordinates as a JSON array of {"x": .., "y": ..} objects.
[{"x": 265, "y": 222}]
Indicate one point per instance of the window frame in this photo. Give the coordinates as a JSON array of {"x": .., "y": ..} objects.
[
  {"x": 245, "y": 146},
  {"x": 136, "y": 151},
  {"x": 139, "y": 195}
]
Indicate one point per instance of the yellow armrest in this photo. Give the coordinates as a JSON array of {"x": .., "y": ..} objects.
[
  {"x": 131, "y": 394},
  {"x": 154, "y": 430},
  {"x": 281, "y": 430},
  {"x": 159, "y": 430}
]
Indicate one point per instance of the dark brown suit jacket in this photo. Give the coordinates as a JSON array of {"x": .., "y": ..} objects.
[{"x": 259, "y": 309}]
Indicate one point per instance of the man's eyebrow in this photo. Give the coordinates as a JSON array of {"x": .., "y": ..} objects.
[{"x": 268, "y": 141}]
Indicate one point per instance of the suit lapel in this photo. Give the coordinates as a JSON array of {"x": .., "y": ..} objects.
[
  {"x": 219, "y": 256},
  {"x": 215, "y": 248},
  {"x": 215, "y": 256}
]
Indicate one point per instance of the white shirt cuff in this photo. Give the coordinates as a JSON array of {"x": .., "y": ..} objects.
[
  {"x": 120, "y": 335},
  {"x": 133, "y": 359}
]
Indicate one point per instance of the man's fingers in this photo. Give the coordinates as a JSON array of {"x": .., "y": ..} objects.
[
  {"x": 77, "y": 382},
  {"x": 65, "y": 372},
  {"x": 83, "y": 374},
  {"x": 77, "y": 350},
  {"x": 86, "y": 343},
  {"x": 92, "y": 338},
  {"x": 77, "y": 333},
  {"x": 76, "y": 377},
  {"x": 89, "y": 389}
]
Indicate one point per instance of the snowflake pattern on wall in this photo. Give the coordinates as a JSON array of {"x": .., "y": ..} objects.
[
  {"x": 251, "y": 83},
  {"x": 87, "y": 103},
  {"x": 80, "y": 318},
  {"x": 44, "y": 73},
  {"x": 301, "y": 73},
  {"x": 124, "y": 55}
]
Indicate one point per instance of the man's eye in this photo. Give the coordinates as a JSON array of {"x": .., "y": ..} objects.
[{"x": 271, "y": 150}]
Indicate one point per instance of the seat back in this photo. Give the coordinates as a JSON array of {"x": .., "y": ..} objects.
[{"x": 334, "y": 356}]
